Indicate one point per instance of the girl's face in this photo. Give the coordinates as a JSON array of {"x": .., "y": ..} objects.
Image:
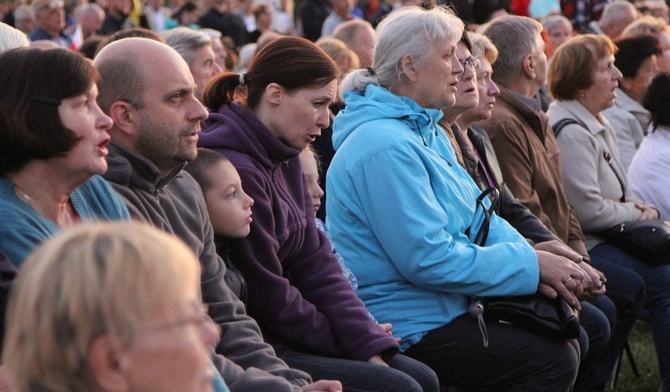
[
  {"x": 228, "y": 206},
  {"x": 558, "y": 35},
  {"x": 312, "y": 174}
]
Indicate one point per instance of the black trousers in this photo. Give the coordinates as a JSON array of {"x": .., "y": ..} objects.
[{"x": 516, "y": 359}]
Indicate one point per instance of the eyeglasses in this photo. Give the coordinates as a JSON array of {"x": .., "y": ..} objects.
[
  {"x": 199, "y": 318},
  {"x": 472, "y": 62}
]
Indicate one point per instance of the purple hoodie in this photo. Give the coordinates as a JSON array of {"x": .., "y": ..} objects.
[{"x": 297, "y": 292}]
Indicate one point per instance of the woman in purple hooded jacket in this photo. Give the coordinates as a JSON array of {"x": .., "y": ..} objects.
[{"x": 297, "y": 292}]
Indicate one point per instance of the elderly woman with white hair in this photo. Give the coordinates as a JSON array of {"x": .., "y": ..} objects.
[{"x": 399, "y": 207}]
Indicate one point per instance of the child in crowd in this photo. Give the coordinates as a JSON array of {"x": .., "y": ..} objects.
[{"x": 228, "y": 206}]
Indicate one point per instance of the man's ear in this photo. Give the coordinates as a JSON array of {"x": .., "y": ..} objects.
[
  {"x": 108, "y": 364},
  {"x": 274, "y": 94},
  {"x": 529, "y": 66},
  {"x": 125, "y": 117},
  {"x": 408, "y": 65}
]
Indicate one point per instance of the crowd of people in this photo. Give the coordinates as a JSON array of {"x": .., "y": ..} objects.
[{"x": 213, "y": 196}]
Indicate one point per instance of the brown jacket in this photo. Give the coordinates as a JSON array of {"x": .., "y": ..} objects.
[{"x": 531, "y": 164}]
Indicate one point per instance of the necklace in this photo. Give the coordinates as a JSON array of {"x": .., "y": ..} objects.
[{"x": 28, "y": 200}]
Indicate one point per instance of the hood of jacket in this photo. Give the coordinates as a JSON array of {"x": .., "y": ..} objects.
[
  {"x": 235, "y": 128},
  {"x": 377, "y": 103}
]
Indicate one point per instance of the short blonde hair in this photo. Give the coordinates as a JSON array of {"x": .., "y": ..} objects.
[
  {"x": 483, "y": 47},
  {"x": 646, "y": 25},
  {"x": 337, "y": 50},
  {"x": 93, "y": 280},
  {"x": 574, "y": 64}
]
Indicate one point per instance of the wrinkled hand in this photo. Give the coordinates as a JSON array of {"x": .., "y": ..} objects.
[
  {"x": 388, "y": 328},
  {"x": 594, "y": 282},
  {"x": 323, "y": 386},
  {"x": 560, "y": 276},
  {"x": 378, "y": 360},
  {"x": 648, "y": 212},
  {"x": 558, "y": 248}
]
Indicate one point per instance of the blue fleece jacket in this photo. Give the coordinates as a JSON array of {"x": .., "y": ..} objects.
[{"x": 398, "y": 207}]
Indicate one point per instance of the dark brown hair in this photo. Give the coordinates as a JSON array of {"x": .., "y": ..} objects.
[
  {"x": 199, "y": 167},
  {"x": 293, "y": 63},
  {"x": 33, "y": 82}
]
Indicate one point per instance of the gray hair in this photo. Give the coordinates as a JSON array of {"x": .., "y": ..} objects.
[
  {"x": 407, "y": 31},
  {"x": 11, "y": 38},
  {"x": 186, "y": 41},
  {"x": 515, "y": 38},
  {"x": 552, "y": 21},
  {"x": 84, "y": 9},
  {"x": 23, "y": 12}
]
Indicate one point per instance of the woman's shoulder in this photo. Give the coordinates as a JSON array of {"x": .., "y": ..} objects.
[{"x": 98, "y": 196}]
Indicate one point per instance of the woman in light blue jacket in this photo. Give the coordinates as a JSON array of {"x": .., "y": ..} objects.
[{"x": 400, "y": 208}]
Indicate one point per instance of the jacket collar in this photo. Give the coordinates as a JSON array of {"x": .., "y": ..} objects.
[
  {"x": 129, "y": 168},
  {"x": 536, "y": 121}
]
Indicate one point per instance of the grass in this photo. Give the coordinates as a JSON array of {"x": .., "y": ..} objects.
[{"x": 642, "y": 346}]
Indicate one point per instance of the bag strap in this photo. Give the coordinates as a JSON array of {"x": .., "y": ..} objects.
[
  {"x": 562, "y": 123},
  {"x": 483, "y": 232}
]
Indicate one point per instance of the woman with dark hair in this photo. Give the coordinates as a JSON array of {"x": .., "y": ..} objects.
[
  {"x": 636, "y": 59},
  {"x": 53, "y": 143},
  {"x": 583, "y": 80},
  {"x": 296, "y": 290},
  {"x": 648, "y": 174}
]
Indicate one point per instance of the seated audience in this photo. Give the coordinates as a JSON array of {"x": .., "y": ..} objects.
[
  {"x": 149, "y": 91},
  {"x": 636, "y": 59},
  {"x": 50, "y": 22},
  {"x": 130, "y": 318},
  {"x": 399, "y": 206},
  {"x": 297, "y": 292},
  {"x": 594, "y": 179},
  {"x": 648, "y": 174}
]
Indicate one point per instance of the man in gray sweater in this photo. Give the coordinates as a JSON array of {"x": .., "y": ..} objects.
[{"x": 148, "y": 90}]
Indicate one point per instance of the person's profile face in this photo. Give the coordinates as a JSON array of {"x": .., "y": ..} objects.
[
  {"x": 229, "y": 207},
  {"x": 169, "y": 121},
  {"x": 311, "y": 172},
  {"x": 435, "y": 85}
]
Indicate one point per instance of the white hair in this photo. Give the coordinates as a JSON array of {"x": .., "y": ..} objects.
[{"x": 410, "y": 31}]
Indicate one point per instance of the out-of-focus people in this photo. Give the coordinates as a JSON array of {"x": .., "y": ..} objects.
[
  {"x": 157, "y": 15},
  {"x": 263, "y": 15},
  {"x": 582, "y": 12},
  {"x": 636, "y": 59},
  {"x": 656, "y": 8},
  {"x": 88, "y": 20},
  {"x": 559, "y": 30},
  {"x": 50, "y": 22},
  {"x": 116, "y": 17},
  {"x": 616, "y": 16},
  {"x": 24, "y": 19},
  {"x": 648, "y": 25},
  {"x": 312, "y": 15},
  {"x": 341, "y": 12},
  {"x": 344, "y": 57},
  {"x": 360, "y": 37},
  {"x": 649, "y": 173},
  {"x": 220, "y": 17},
  {"x": 188, "y": 14},
  {"x": 132, "y": 310},
  {"x": 195, "y": 47}
]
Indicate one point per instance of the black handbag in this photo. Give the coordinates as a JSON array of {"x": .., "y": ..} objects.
[
  {"x": 537, "y": 313},
  {"x": 648, "y": 240}
]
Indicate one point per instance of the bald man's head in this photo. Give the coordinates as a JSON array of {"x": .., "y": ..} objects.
[{"x": 126, "y": 68}]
